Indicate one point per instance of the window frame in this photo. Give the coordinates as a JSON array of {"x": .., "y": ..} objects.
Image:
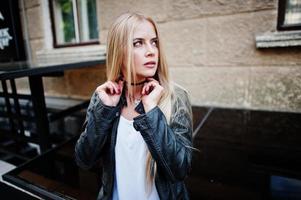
[
  {"x": 281, "y": 16},
  {"x": 55, "y": 44}
]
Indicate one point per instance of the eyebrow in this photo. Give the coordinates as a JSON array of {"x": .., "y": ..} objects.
[{"x": 155, "y": 38}]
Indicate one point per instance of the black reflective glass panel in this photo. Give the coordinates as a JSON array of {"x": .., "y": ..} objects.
[{"x": 243, "y": 154}]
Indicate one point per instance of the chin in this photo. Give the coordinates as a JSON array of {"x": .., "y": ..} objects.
[{"x": 147, "y": 74}]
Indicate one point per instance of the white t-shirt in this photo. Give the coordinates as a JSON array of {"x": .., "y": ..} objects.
[{"x": 130, "y": 162}]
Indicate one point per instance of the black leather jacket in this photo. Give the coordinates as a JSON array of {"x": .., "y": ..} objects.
[{"x": 170, "y": 145}]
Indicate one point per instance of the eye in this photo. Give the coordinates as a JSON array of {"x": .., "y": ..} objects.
[
  {"x": 137, "y": 44},
  {"x": 155, "y": 42}
]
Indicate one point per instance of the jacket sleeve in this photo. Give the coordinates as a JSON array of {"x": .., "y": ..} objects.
[
  {"x": 169, "y": 145},
  {"x": 97, "y": 128}
]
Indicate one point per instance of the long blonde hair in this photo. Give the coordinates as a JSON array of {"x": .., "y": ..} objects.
[{"x": 119, "y": 53}]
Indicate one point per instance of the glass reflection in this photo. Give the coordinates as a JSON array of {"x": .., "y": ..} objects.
[{"x": 243, "y": 154}]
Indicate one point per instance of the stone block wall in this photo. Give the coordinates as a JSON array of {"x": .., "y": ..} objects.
[{"x": 210, "y": 47}]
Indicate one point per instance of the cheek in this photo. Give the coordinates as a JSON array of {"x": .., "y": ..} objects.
[
  {"x": 157, "y": 52},
  {"x": 138, "y": 57}
]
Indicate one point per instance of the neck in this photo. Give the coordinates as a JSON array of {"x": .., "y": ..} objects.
[
  {"x": 136, "y": 93},
  {"x": 139, "y": 83},
  {"x": 137, "y": 87}
]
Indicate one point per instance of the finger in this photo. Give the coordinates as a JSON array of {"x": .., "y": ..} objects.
[
  {"x": 120, "y": 84},
  {"x": 109, "y": 89},
  {"x": 102, "y": 87},
  {"x": 115, "y": 87},
  {"x": 151, "y": 86},
  {"x": 146, "y": 89},
  {"x": 143, "y": 90}
]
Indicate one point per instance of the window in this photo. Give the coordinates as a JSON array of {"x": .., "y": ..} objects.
[
  {"x": 289, "y": 15},
  {"x": 74, "y": 22}
]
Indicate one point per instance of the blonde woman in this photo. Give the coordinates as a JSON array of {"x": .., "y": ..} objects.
[{"x": 138, "y": 122}]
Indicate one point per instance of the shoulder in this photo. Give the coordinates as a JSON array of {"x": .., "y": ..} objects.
[
  {"x": 180, "y": 93},
  {"x": 180, "y": 98},
  {"x": 181, "y": 106}
]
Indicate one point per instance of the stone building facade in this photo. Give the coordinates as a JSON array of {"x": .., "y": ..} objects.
[{"x": 210, "y": 47}]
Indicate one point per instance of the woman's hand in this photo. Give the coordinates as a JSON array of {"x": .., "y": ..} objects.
[
  {"x": 151, "y": 94},
  {"x": 110, "y": 92}
]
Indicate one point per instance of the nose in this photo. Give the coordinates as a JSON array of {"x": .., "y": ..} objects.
[{"x": 150, "y": 50}]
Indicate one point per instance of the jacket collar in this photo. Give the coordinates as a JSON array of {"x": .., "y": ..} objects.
[{"x": 139, "y": 108}]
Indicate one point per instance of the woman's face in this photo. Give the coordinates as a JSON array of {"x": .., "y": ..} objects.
[{"x": 145, "y": 50}]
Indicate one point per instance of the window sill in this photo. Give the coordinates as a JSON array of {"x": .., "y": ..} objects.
[
  {"x": 71, "y": 54},
  {"x": 279, "y": 39}
]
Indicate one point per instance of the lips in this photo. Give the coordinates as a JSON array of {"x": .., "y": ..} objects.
[{"x": 150, "y": 64}]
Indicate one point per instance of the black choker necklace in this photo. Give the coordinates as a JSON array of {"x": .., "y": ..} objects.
[{"x": 139, "y": 83}]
